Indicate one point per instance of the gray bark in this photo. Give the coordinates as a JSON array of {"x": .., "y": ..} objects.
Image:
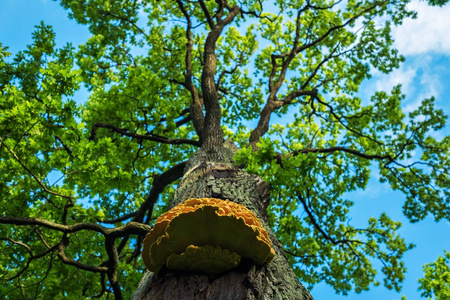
[{"x": 213, "y": 174}]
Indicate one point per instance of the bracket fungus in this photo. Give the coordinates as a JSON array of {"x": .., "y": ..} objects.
[{"x": 207, "y": 236}]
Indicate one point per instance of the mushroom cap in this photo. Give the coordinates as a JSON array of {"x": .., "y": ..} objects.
[{"x": 220, "y": 224}]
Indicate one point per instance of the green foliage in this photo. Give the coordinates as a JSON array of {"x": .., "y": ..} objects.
[
  {"x": 436, "y": 281},
  {"x": 97, "y": 161},
  {"x": 439, "y": 3},
  {"x": 321, "y": 245}
]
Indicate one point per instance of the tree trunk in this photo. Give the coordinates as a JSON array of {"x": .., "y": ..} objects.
[{"x": 212, "y": 174}]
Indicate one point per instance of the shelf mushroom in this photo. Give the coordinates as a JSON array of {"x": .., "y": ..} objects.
[{"x": 207, "y": 236}]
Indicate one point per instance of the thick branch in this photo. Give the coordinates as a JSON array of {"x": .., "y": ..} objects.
[
  {"x": 196, "y": 102},
  {"x": 213, "y": 135},
  {"x": 271, "y": 105}
]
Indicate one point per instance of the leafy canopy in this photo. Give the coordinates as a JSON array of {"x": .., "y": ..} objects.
[
  {"x": 74, "y": 174},
  {"x": 436, "y": 280}
]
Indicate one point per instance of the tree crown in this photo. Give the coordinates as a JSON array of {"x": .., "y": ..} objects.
[{"x": 165, "y": 78}]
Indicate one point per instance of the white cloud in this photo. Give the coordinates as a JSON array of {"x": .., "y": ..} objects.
[
  {"x": 428, "y": 83},
  {"x": 419, "y": 77},
  {"x": 404, "y": 76},
  {"x": 429, "y": 32}
]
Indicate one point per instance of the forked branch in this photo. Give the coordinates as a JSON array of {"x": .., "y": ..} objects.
[
  {"x": 196, "y": 100},
  {"x": 275, "y": 83},
  {"x": 213, "y": 135}
]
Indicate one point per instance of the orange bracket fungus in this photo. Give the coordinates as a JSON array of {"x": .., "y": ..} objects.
[{"x": 207, "y": 236}]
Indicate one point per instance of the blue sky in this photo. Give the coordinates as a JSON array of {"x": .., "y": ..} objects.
[{"x": 425, "y": 42}]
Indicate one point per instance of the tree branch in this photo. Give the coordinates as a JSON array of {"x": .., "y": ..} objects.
[
  {"x": 343, "y": 149},
  {"x": 149, "y": 136},
  {"x": 196, "y": 102},
  {"x": 339, "y": 119},
  {"x": 316, "y": 225},
  {"x": 64, "y": 145},
  {"x": 113, "y": 255},
  {"x": 125, "y": 19},
  {"x": 213, "y": 134},
  {"x": 127, "y": 229},
  {"x": 111, "y": 234},
  {"x": 274, "y": 86},
  {"x": 298, "y": 49},
  {"x": 207, "y": 14},
  {"x": 159, "y": 183},
  {"x": 30, "y": 252},
  {"x": 294, "y": 95},
  {"x": 32, "y": 174},
  {"x": 103, "y": 284},
  {"x": 77, "y": 264},
  {"x": 119, "y": 219}
]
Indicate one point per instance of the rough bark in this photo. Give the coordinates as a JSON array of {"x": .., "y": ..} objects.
[{"x": 213, "y": 174}]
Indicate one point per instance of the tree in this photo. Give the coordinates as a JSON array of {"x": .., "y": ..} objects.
[
  {"x": 437, "y": 279},
  {"x": 164, "y": 94}
]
